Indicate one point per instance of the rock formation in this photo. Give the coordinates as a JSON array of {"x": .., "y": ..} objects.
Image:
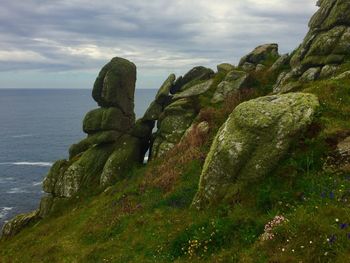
[
  {"x": 324, "y": 48},
  {"x": 238, "y": 154},
  {"x": 113, "y": 145}
]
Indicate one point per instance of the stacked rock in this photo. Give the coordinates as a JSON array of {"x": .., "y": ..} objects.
[
  {"x": 109, "y": 149},
  {"x": 324, "y": 49}
]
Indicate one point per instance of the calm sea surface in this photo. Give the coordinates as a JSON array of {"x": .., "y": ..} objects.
[{"x": 36, "y": 128}]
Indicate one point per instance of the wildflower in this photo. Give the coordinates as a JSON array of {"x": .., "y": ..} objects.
[
  {"x": 336, "y": 220},
  {"x": 343, "y": 226},
  {"x": 331, "y": 195},
  {"x": 310, "y": 242},
  {"x": 268, "y": 230}
]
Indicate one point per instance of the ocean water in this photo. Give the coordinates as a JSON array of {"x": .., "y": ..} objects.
[{"x": 36, "y": 128}]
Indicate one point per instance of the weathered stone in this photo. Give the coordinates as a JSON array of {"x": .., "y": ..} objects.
[
  {"x": 163, "y": 93},
  {"x": 225, "y": 67},
  {"x": 115, "y": 86},
  {"x": 261, "y": 55},
  {"x": 127, "y": 154},
  {"x": 106, "y": 119},
  {"x": 255, "y": 137},
  {"x": 178, "y": 117},
  {"x": 55, "y": 174},
  {"x": 153, "y": 112},
  {"x": 14, "y": 226},
  {"x": 143, "y": 128},
  {"x": 46, "y": 204},
  {"x": 280, "y": 63},
  {"x": 234, "y": 80},
  {"x": 328, "y": 71},
  {"x": 344, "y": 75},
  {"x": 311, "y": 74},
  {"x": 93, "y": 139},
  {"x": 67, "y": 179},
  {"x": 195, "y": 74},
  {"x": 195, "y": 90}
]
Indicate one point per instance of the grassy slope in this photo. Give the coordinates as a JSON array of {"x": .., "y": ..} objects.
[{"x": 146, "y": 217}]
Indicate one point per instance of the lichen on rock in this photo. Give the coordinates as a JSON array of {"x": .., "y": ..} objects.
[{"x": 253, "y": 139}]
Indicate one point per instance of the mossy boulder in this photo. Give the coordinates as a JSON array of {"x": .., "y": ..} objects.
[
  {"x": 194, "y": 75},
  {"x": 93, "y": 139},
  {"x": 176, "y": 119},
  {"x": 143, "y": 128},
  {"x": 66, "y": 179},
  {"x": 330, "y": 14},
  {"x": 15, "y": 225},
  {"x": 225, "y": 67},
  {"x": 195, "y": 90},
  {"x": 115, "y": 85},
  {"x": 127, "y": 153},
  {"x": 234, "y": 80},
  {"x": 255, "y": 137},
  {"x": 106, "y": 119},
  {"x": 153, "y": 112},
  {"x": 162, "y": 96},
  {"x": 264, "y": 54}
]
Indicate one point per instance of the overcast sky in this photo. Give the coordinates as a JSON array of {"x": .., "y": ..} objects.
[{"x": 64, "y": 43}]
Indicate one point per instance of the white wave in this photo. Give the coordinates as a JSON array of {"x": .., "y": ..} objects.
[
  {"x": 22, "y": 136},
  {"x": 37, "y": 183},
  {"x": 4, "y": 211},
  {"x": 42, "y": 164},
  {"x": 16, "y": 190}
]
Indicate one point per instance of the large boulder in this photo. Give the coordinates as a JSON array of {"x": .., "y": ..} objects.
[
  {"x": 261, "y": 55},
  {"x": 93, "y": 139},
  {"x": 195, "y": 90},
  {"x": 106, "y": 119},
  {"x": 15, "y": 225},
  {"x": 196, "y": 74},
  {"x": 234, "y": 80},
  {"x": 176, "y": 119},
  {"x": 66, "y": 179},
  {"x": 255, "y": 137},
  {"x": 162, "y": 96},
  {"x": 126, "y": 154},
  {"x": 115, "y": 85}
]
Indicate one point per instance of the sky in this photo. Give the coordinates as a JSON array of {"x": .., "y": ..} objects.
[{"x": 64, "y": 43}]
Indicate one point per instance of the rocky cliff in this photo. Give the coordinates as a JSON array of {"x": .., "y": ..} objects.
[{"x": 247, "y": 163}]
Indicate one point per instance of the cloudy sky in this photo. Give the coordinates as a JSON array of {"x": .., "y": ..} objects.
[{"x": 64, "y": 43}]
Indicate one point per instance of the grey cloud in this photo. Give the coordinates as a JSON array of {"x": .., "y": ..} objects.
[{"x": 80, "y": 35}]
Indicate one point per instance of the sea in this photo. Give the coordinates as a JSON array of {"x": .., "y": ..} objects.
[{"x": 36, "y": 128}]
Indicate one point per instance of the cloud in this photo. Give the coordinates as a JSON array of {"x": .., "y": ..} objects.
[{"x": 159, "y": 36}]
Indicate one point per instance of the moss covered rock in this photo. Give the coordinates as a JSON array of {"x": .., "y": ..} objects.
[
  {"x": 106, "y": 119},
  {"x": 162, "y": 96},
  {"x": 15, "y": 225},
  {"x": 234, "y": 80},
  {"x": 93, "y": 139},
  {"x": 127, "y": 153},
  {"x": 264, "y": 54},
  {"x": 194, "y": 75},
  {"x": 115, "y": 85},
  {"x": 251, "y": 142},
  {"x": 225, "y": 67},
  {"x": 195, "y": 90}
]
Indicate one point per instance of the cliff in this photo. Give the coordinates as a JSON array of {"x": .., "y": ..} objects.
[{"x": 248, "y": 163}]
